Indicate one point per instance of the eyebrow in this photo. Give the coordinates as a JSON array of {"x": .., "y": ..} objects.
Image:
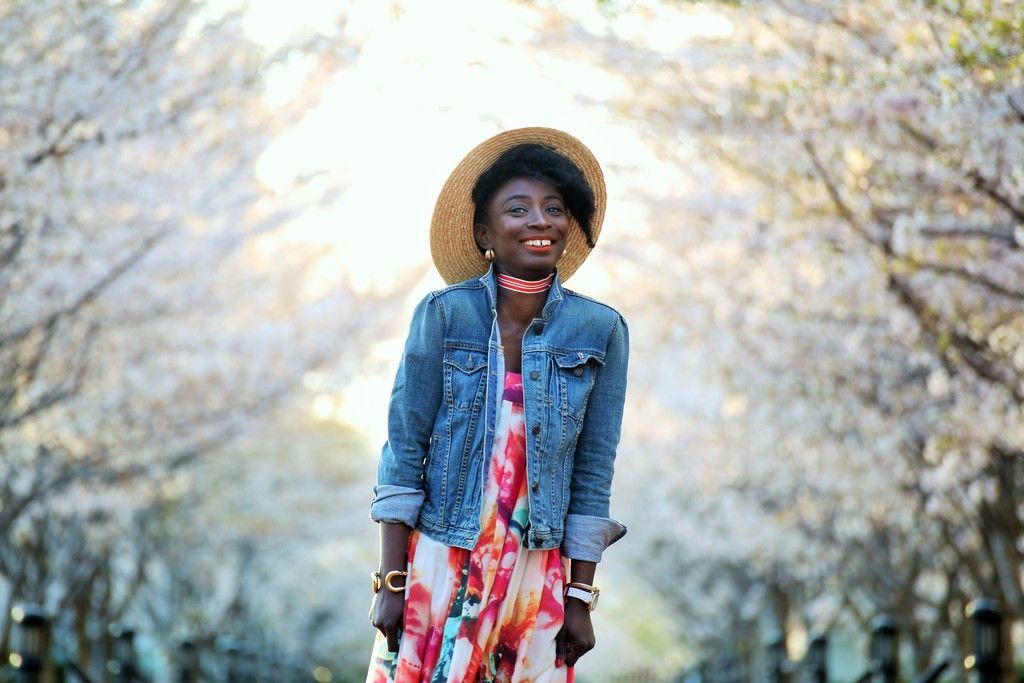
[{"x": 523, "y": 196}]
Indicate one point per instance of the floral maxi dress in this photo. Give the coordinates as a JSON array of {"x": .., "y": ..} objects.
[{"x": 490, "y": 614}]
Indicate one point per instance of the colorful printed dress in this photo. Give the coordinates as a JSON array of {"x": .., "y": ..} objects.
[{"x": 490, "y": 614}]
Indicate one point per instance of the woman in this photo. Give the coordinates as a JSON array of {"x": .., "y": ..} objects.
[{"x": 493, "y": 487}]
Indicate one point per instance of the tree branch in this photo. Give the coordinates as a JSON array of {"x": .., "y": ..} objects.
[
  {"x": 93, "y": 292},
  {"x": 963, "y": 274},
  {"x": 1017, "y": 108},
  {"x": 978, "y": 181},
  {"x": 972, "y": 353},
  {"x": 969, "y": 232}
]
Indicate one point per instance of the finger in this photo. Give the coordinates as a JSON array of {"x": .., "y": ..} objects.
[
  {"x": 374, "y": 620},
  {"x": 575, "y": 650},
  {"x": 560, "y": 647},
  {"x": 392, "y": 636},
  {"x": 570, "y": 654}
]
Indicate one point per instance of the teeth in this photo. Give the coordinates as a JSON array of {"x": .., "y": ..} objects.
[{"x": 539, "y": 243}]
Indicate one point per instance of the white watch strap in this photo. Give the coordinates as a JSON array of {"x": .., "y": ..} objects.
[{"x": 579, "y": 594}]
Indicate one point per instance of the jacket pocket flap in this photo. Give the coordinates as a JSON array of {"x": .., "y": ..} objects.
[
  {"x": 575, "y": 359},
  {"x": 467, "y": 361}
]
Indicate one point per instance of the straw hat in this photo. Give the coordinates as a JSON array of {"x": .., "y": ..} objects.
[{"x": 452, "y": 247}]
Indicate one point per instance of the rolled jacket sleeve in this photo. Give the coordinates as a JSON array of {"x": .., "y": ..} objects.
[
  {"x": 414, "y": 404},
  {"x": 588, "y": 527},
  {"x": 396, "y": 504}
]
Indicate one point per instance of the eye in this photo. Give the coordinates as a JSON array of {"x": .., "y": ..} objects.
[
  {"x": 555, "y": 209},
  {"x": 517, "y": 210}
]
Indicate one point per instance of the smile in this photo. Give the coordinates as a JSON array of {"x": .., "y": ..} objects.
[{"x": 538, "y": 243}]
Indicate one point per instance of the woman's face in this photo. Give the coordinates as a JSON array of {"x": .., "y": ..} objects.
[{"x": 526, "y": 226}]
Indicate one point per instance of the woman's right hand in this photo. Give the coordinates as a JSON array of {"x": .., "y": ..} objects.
[{"x": 386, "y": 615}]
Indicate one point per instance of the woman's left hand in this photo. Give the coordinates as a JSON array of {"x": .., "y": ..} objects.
[{"x": 577, "y": 635}]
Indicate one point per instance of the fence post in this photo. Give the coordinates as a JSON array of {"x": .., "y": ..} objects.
[
  {"x": 985, "y": 663},
  {"x": 123, "y": 663},
  {"x": 885, "y": 649},
  {"x": 278, "y": 668},
  {"x": 231, "y": 661},
  {"x": 188, "y": 662},
  {"x": 776, "y": 659},
  {"x": 817, "y": 659},
  {"x": 704, "y": 671},
  {"x": 31, "y": 646},
  {"x": 250, "y": 662}
]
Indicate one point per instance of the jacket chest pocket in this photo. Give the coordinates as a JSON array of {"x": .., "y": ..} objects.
[
  {"x": 464, "y": 378},
  {"x": 576, "y": 372}
]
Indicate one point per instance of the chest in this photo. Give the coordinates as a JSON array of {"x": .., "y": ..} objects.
[{"x": 512, "y": 343}]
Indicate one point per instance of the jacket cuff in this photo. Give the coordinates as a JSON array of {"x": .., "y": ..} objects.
[
  {"x": 587, "y": 536},
  {"x": 396, "y": 504}
]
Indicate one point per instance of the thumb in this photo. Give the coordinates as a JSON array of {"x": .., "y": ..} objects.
[{"x": 560, "y": 647}]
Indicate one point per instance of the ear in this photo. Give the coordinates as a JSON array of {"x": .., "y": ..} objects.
[{"x": 483, "y": 240}]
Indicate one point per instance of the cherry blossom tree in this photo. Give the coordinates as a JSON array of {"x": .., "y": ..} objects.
[
  {"x": 152, "y": 306},
  {"x": 840, "y": 282}
]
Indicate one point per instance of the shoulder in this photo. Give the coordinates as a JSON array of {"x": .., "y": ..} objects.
[
  {"x": 591, "y": 308},
  {"x": 460, "y": 290},
  {"x": 449, "y": 297},
  {"x": 461, "y": 308},
  {"x": 596, "y": 321},
  {"x": 461, "y": 296}
]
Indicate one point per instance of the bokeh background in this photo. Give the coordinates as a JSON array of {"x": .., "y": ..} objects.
[{"x": 213, "y": 228}]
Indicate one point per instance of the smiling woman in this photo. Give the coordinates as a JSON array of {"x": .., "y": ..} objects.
[{"x": 493, "y": 488}]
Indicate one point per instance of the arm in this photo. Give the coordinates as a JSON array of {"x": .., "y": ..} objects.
[
  {"x": 576, "y": 638},
  {"x": 415, "y": 400},
  {"x": 588, "y": 527},
  {"x": 398, "y": 495},
  {"x": 387, "y": 608}
]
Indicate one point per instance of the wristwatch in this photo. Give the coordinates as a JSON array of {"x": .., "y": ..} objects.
[
  {"x": 377, "y": 582},
  {"x": 584, "y": 593}
]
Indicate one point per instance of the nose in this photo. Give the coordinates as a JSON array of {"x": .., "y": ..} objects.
[{"x": 538, "y": 219}]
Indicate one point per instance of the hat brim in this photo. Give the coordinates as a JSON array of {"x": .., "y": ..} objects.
[{"x": 452, "y": 246}]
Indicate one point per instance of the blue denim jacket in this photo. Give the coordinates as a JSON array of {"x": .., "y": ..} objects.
[{"x": 444, "y": 405}]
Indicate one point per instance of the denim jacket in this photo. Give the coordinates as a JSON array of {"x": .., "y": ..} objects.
[{"x": 443, "y": 411}]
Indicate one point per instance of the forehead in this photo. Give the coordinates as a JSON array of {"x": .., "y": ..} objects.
[{"x": 524, "y": 186}]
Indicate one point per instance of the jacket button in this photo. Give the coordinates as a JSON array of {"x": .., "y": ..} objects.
[
  {"x": 535, "y": 487},
  {"x": 538, "y": 328},
  {"x": 536, "y": 429},
  {"x": 534, "y": 375},
  {"x": 578, "y": 371}
]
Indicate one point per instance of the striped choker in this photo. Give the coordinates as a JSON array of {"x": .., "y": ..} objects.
[{"x": 525, "y": 286}]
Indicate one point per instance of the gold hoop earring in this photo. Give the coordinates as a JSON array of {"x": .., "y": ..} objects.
[{"x": 489, "y": 254}]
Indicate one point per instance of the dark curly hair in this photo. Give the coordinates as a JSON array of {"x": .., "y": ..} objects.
[{"x": 536, "y": 161}]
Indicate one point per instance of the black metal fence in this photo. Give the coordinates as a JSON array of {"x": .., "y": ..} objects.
[
  {"x": 984, "y": 664},
  {"x": 238, "y": 661},
  {"x": 232, "y": 660}
]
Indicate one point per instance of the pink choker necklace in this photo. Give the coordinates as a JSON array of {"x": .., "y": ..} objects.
[{"x": 525, "y": 286}]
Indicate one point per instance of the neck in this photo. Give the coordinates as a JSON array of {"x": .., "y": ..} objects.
[{"x": 516, "y": 284}]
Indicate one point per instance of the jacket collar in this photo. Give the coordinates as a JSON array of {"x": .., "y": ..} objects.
[{"x": 490, "y": 282}]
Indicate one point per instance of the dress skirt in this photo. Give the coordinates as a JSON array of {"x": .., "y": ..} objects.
[{"x": 492, "y": 613}]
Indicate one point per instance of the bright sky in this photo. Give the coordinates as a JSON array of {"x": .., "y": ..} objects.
[{"x": 429, "y": 81}]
